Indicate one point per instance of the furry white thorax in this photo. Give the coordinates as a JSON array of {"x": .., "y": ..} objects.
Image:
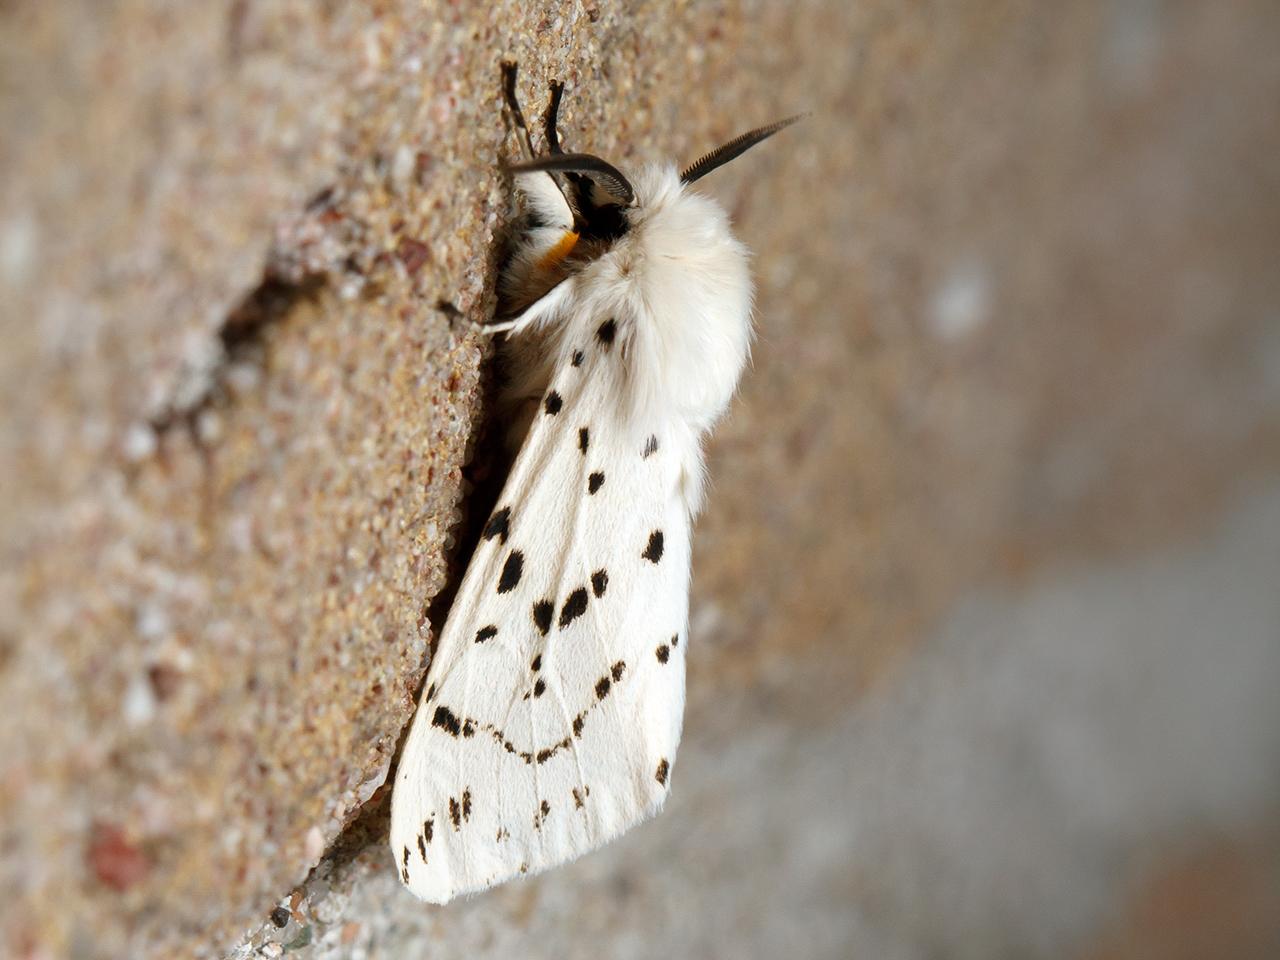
[{"x": 678, "y": 287}]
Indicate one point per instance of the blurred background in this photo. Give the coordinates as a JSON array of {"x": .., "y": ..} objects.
[{"x": 985, "y": 626}]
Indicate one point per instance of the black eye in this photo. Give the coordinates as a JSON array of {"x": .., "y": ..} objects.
[
  {"x": 605, "y": 221},
  {"x": 609, "y": 223}
]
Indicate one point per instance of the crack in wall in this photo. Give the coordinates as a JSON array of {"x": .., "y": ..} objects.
[
  {"x": 311, "y": 247},
  {"x": 240, "y": 339}
]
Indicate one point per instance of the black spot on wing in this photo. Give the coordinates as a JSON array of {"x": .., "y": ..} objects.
[
  {"x": 595, "y": 482},
  {"x": 539, "y": 688},
  {"x": 599, "y": 581},
  {"x": 653, "y": 552},
  {"x": 606, "y": 682},
  {"x": 499, "y": 525},
  {"x": 553, "y": 403},
  {"x": 663, "y": 769},
  {"x": 650, "y": 446},
  {"x": 540, "y": 817},
  {"x": 486, "y": 633},
  {"x": 675, "y": 639},
  {"x": 446, "y": 721},
  {"x": 534, "y": 754},
  {"x": 422, "y": 848},
  {"x": 584, "y": 438},
  {"x": 607, "y": 331},
  {"x": 466, "y": 804},
  {"x": 574, "y": 607},
  {"x": 428, "y": 827},
  {"x": 663, "y": 653},
  {"x": 455, "y": 813},
  {"x": 542, "y": 611},
  {"x": 537, "y": 663},
  {"x": 577, "y": 358},
  {"x": 511, "y": 571}
]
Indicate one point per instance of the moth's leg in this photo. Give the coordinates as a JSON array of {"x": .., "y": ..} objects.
[
  {"x": 551, "y": 130},
  {"x": 550, "y": 115},
  {"x": 451, "y": 311},
  {"x": 540, "y": 311},
  {"x": 459, "y": 319},
  {"x": 550, "y": 226},
  {"x": 509, "y": 70}
]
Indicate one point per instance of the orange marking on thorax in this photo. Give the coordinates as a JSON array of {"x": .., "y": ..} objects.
[{"x": 564, "y": 246}]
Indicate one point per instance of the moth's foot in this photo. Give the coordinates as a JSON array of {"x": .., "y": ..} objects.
[
  {"x": 460, "y": 321},
  {"x": 509, "y": 71},
  {"x": 550, "y": 126}
]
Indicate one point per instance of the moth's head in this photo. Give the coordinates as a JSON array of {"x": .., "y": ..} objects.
[{"x": 602, "y": 196}]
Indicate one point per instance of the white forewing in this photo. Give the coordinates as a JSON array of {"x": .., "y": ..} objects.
[{"x": 552, "y": 709}]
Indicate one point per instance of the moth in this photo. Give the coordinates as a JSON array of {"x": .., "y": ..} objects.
[{"x": 553, "y": 706}]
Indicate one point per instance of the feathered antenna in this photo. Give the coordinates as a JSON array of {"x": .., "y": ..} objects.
[
  {"x": 734, "y": 148},
  {"x": 605, "y": 174}
]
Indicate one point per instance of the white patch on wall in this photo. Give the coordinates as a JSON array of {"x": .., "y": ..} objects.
[
  {"x": 961, "y": 304},
  {"x": 18, "y": 241}
]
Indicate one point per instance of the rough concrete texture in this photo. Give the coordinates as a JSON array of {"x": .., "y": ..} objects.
[{"x": 984, "y": 621}]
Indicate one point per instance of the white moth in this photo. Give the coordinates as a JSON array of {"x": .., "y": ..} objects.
[{"x": 553, "y": 705}]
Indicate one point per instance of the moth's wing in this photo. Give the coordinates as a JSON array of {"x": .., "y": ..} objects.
[{"x": 552, "y": 710}]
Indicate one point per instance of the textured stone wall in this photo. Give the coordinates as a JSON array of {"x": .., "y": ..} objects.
[{"x": 985, "y": 636}]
